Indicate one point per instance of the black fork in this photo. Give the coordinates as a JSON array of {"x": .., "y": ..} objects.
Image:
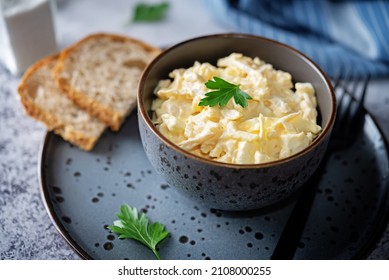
[{"x": 348, "y": 123}]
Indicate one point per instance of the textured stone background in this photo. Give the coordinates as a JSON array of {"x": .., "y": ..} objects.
[{"x": 26, "y": 231}]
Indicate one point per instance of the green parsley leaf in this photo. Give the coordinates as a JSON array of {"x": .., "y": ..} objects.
[
  {"x": 150, "y": 12},
  {"x": 134, "y": 226},
  {"x": 223, "y": 92}
]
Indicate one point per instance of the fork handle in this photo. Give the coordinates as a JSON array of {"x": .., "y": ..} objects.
[{"x": 290, "y": 236}]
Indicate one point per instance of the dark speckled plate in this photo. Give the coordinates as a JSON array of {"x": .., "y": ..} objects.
[{"x": 83, "y": 191}]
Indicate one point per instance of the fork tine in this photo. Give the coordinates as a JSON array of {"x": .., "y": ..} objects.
[
  {"x": 346, "y": 84},
  {"x": 336, "y": 83},
  {"x": 364, "y": 90},
  {"x": 340, "y": 88},
  {"x": 356, "y": 115},
  {"x": 349, "y": 108}
]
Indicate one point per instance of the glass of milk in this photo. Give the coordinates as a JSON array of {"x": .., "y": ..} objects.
[{"x": 27, "y": 32}]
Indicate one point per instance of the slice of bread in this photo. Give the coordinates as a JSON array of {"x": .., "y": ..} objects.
[
  {"x": 101, "y": 72},
  {"x": 43, "y": 100}
]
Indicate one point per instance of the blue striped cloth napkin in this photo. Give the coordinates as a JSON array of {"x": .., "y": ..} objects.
[{"x": 349, "y": 34}]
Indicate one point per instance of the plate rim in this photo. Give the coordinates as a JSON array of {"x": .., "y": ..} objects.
[
  {"x": 363, "y": 252},
  {"x": 55, "y": 220}
]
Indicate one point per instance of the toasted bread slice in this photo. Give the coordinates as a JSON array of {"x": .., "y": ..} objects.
[
  {"x": 101, "y": 72},
  {"x": 43, "y": 100}
]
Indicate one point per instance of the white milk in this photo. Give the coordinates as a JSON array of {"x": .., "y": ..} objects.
[{"x": 27, "y": 32}]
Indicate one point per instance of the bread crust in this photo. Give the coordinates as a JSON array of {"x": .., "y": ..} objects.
[
  {"x": 104, "y": 113},
  {"x": 51, "y": 121}
]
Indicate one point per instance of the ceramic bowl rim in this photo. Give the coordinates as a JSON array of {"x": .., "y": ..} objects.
[{"x": 144, "y": 115}]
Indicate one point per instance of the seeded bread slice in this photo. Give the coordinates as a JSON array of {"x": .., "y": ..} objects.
[
  {"x": 43, "y": 100},
  {"x": 101, "y": 72}
]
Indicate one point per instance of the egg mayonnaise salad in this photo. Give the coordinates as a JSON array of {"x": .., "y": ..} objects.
[{"x": 279, "y": 121}]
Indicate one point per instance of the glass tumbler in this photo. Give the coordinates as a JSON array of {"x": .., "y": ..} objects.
[{"x": 27, "y": 32}]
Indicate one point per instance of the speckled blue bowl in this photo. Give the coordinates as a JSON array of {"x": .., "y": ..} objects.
[{"x": 233, "y": 186}]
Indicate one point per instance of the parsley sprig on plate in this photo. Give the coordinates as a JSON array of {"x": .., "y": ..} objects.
[
  {"x": 134, "y": 226},
  {"x": 223, "y": 92}
]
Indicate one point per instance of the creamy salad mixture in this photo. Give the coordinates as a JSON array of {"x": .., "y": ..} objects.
[{"x": 279, "y": 121}]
